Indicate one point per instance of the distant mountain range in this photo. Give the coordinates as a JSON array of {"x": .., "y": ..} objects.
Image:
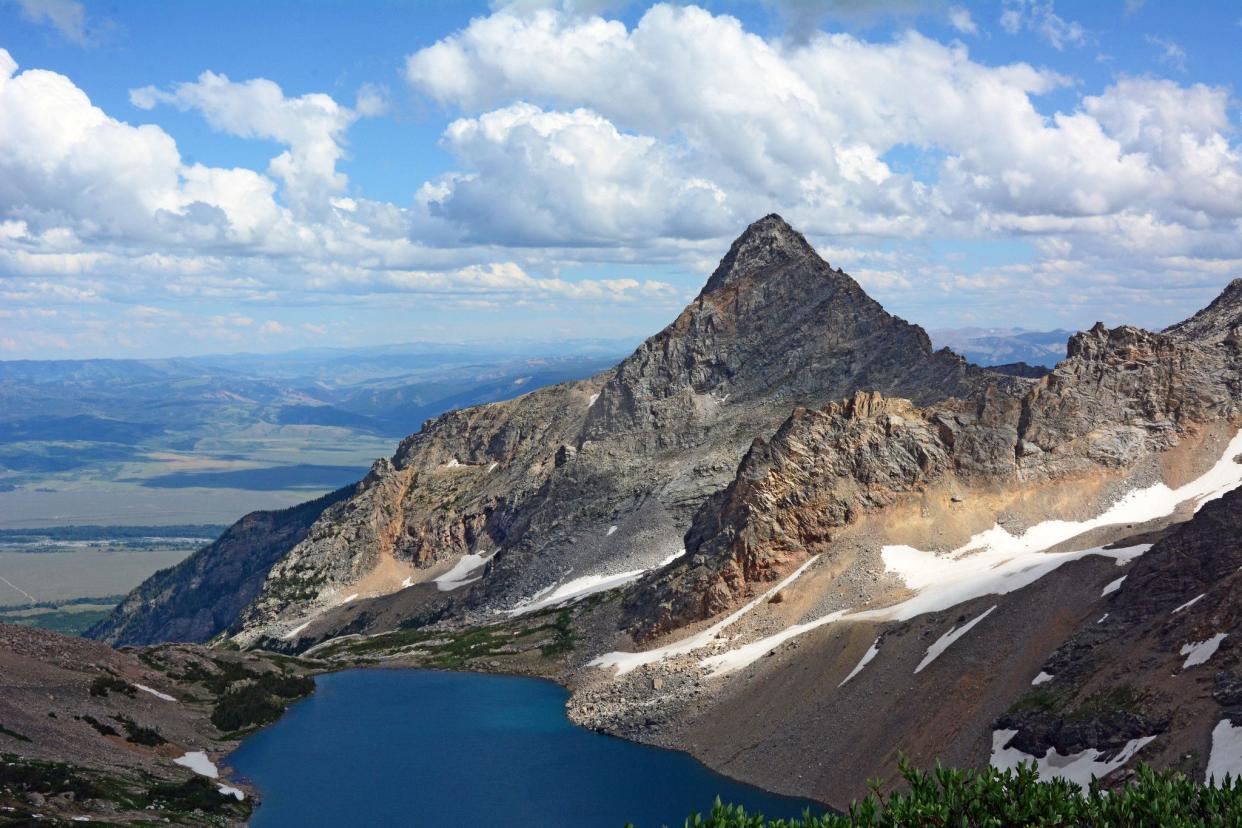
[
  {"x": 1002, "y": 346},
  {"x": 249, "y": 421}
]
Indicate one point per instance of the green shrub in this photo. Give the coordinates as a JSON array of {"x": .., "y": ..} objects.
[
  {"x": 140, "y": 735},
  {"x": 991, "y": 798},
  {"x": 260, "y": 702}
]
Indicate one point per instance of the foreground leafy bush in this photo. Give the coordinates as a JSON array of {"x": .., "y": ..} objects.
[{"x": 998, "y": 799}]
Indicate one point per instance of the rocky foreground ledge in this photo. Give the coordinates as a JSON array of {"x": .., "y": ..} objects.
[{"x": 92, "y": 734}]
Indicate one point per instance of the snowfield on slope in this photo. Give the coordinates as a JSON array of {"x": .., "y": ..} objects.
[
  {"x": 1079, "y": 768},
  {"x": 1198, "y": 652},
  {"x": 462, "y": 573},
  {"x": 1226, "y": 757},
  {"x": 624, "y": 662},
  {"x": 580, "y": 588},
  {"x": 995, "y": 562}
]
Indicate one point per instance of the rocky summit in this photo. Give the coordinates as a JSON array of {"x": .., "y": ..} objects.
[{"x": 788, "y": 536}]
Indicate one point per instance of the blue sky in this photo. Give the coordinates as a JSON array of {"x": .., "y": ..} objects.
[{"x": 180, "y": 178}]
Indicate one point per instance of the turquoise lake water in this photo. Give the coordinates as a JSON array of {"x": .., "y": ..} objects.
[{"x": 417, "y": 747}]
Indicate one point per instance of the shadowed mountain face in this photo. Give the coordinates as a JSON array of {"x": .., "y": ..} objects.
[
  {"x": 200, "y": 597},
  {"x": 539, "y": 481}
]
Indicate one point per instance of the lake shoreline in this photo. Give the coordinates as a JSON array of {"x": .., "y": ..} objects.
[{"x": 742, "y": 789}]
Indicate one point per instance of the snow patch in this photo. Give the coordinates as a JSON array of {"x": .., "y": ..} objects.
[
  {"x": 408, "y": 582},
  {"x": 198, "y": 762},
  {"x": 349, "y": 598},
  {"x": 229, "y": 790},
  {"x": 611, "y": 529},
  {"x": 462, "y": 573},
  {"x": 1226, "y": 757},
  {"x": 1200, "y": 651},
  {"x": 1113, "y": 586},
  {"x": 748, "y": 654},
  {"x": 1079, "y": 768},
  {"x": 594, "y": 397},
  {"x": 863, "y": 662},
  {"x": 624, "y": 662},
  {"x": 1103, "y": 618},
  {"x": 155, "y": 693},
  {"x": 586, "y": 585},
  {"x": 1042, "y": 678},
  {"x": 1189, "y": 603},
  {"x": 945, "y": 641},
  {"x": 453, "y": 463},
  {"x": 492, "y": 468}
]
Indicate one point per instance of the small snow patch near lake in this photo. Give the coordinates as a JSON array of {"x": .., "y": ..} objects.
[
  {"x": 1199, "y": 652},
  {"x": 155, "y": 693},
  {"x": 198, "y": 762},
  {"x": 1226, "y": 757},
  {"x": 1113, "y": 586},
  {"x": 1189, "y": 604},
  {"x": 1042, "y": 678},
  {"x": 871, "y": 653},
  {"x": 229, "y": 790},
  {"x": 945, "y": 641},
  {"x": 1078, "y": 768}
]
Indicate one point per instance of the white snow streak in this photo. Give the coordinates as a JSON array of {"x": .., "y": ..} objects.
[
  {"x": 1189, "y": 603},
  {"x": 155, "y": 693},
  {"x": 594, "y": 397},
  {"x": 945, "y": 641},
  {"x": 1079, "y": 768},
  {"x": 586, "y": 585},
  {"x": 1103, "y": 618},
  {"x": 1200, "y": 651},
  {"x": 1113, "y": 586},
  {"x": 1041, "y": 679},
  {"x": 748, "y": 654},
  {"x": 289, "y": 636},
  {"x": 611, "y": 529},
  {"x": 1226, "y": 757},
  {"x": 229, "y": 790},
  {"x": 625, "y": 662},
  {"x": 863, "y": 662}
]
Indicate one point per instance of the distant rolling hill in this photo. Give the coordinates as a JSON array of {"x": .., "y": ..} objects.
[{"x": 1002, "y": 346}]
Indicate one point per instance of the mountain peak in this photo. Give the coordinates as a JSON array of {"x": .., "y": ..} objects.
[{"x": 768, "y": 242}]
